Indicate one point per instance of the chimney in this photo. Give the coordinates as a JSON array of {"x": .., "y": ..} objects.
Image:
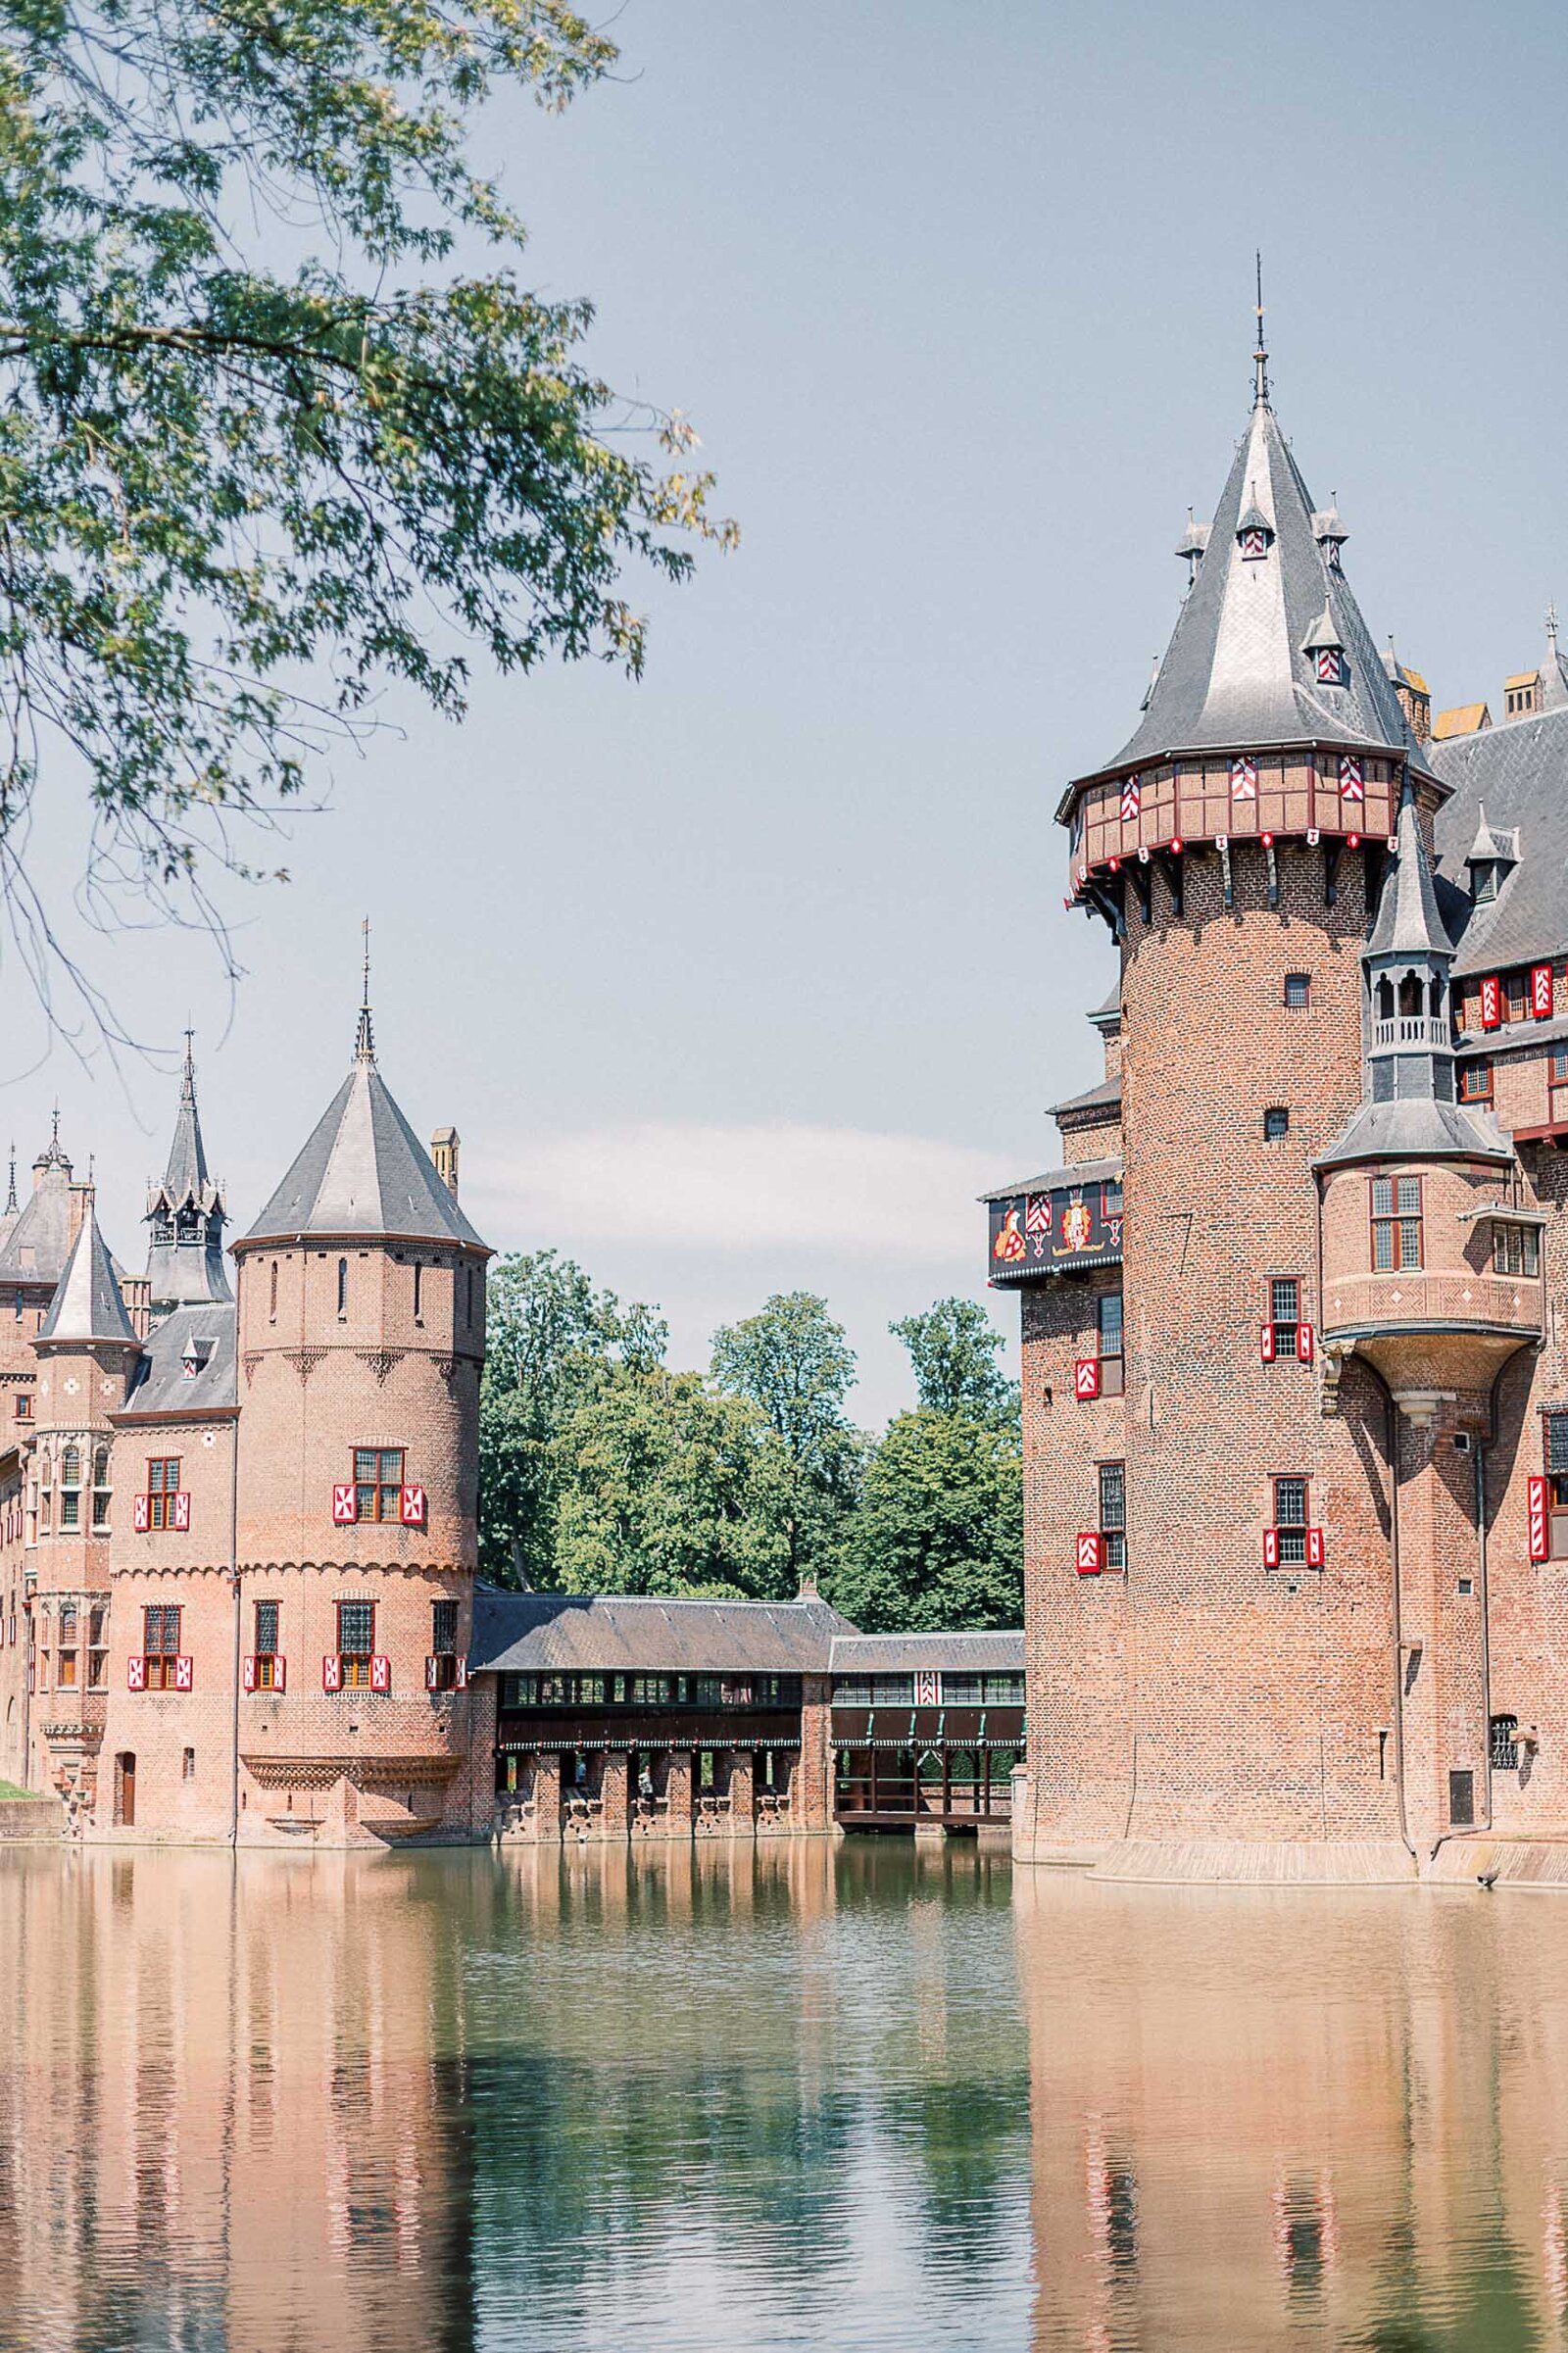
[
  {"x": 80, "y": 1200},
  {"x": 444, "y": 1146},
  {"x": 808, "y": 1592}
]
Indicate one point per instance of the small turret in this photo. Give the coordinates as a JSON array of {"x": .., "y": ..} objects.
[{"x": 186, "y": 1215}]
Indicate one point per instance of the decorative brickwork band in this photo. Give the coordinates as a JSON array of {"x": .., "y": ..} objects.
[{"x": 305, "y": 1361}]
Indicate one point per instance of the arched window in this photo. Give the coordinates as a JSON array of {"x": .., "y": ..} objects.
[
  {"x": 342, "y": 1285},
  {"x": 1384, "y": 999},
  {"x": 1411, "y": 994},
  {"x": 1434, "y": 997},
  {"x": 70, "y": 1486},
  {"x": 273, "y": 1302}
]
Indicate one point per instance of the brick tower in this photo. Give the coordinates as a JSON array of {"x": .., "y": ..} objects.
[
  {"x": 361, "y": 1294},
  {"x": 1210, "y": 1609}
]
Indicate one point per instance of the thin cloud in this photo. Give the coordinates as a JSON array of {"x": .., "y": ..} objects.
[{"x": 748, "y": 1188}]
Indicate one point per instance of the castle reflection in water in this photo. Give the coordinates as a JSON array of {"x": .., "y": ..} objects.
[{"x": 758, "y": 2095}]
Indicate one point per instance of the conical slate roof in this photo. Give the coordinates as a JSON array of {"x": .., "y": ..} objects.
[
  {"x": 185, "y": 1256},
  {"x": 364, "y": 1171},
  {"x": 36, "y": 1248},
  {"x": 87, "y": 1304},
  {"x": 185, "y": 1177},
  {"x": 1407, "y": 918},
  {"x": 1235, "y": 676}
]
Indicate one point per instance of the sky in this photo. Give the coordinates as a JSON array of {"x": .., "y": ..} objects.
[{"x": 750, "y": 976}]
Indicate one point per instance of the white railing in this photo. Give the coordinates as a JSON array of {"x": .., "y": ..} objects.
[{"x": 1412, "y": 1029}]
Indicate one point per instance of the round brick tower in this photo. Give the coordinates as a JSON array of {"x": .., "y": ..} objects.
[
  {"x": 1216, "y": 1659},
  {"x": 361, "y": 1294}
]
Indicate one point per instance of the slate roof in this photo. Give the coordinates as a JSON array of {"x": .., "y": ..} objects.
[
  {"x": 38, "y": 1246},
  {"x": 997, "y": 1652},
  {"x": 1420, "y": 1129},
  {"x": 364, "y": 1171},
  {"x": 1408, "y": 921},
  {"x": 1521, "y": 772},
  {"x": 87, "y": 1303},
  {"x": 518, "y": 1632},
  {"x": 1233, "y": 674},
  {"x": 1104, "y": 1096},
  {"x": 190, "y": 1266},
  {"x": 1060, "y": 1180},
  {"x": 161, "y": 1384}
]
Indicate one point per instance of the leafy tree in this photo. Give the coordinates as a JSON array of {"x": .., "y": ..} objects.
[
  {"x": 938, "y": 1537},
  {"x": 550, "y": 1341},
  {"x": 955, "y": 1348},
  {"x": 667, "y": 1485},
  {"x": 265, "y": 444},
  {"x": 795, "y": 1365}
]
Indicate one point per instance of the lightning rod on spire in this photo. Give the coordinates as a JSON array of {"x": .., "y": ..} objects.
[
  {"x": 365, "y": 1043},
  {"x": 1260, "y": 354}
]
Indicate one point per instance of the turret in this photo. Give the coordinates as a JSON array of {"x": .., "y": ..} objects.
[{"x": 186, "y": 1215}]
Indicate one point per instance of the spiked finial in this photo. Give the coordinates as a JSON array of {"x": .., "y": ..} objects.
[
  {"x": 1260, "y": 354},
  {"x": 364, "y": 1042},
  {"x": 187, "y": 1084},
  {"x": 1551, "y": 626},
  {"x": 10, "y": 1210}
]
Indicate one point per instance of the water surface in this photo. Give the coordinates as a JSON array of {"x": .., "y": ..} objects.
[{"x": 797, "y": 2098}]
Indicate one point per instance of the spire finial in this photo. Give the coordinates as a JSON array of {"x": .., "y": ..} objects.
[
  {"x": 10, "y": 1210},
  {"x": 1260, "y": 354},
  {"x": 1551, "y": 625},
  {"x": 365, "y": 1043},
  {"x": 187, "y": 1084}
]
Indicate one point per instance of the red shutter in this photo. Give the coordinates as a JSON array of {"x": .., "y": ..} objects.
[
  {"x": 1265, "y": 1342},
  {"x": 331, "y": 1671},
  {"x": 1090, "y": 1553},
  {"x": 1314, "y": 1547},
  {"x": 431, "y": 1671},
  {"x": 413, "y": 1508},
  {"x": 135, "y": 1674},
  {"x": 462, "y": 1683},
  {"x": 345, "y": 1507},
  {"x": 1539, "y": 1529},
  {"x": 1492, "y": 1002},
  {"x": 1304, "y": 1341},
  {"x": 279, "y": 1674},
  {"x": 380, "y": 1674},
  {"x": 1271, "y": 1547},
  {"x": 140, "y": 1515},
  {"x": 182, "y": 1512},
  {"x": 249, "y": 1675},
  {"x": 182, "y": 1674},
  {"x": 1540, "y": 992},
  {"x": 1086, "y": 1377}
]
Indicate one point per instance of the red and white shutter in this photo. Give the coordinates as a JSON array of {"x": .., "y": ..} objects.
[
  {"x": 1085, "y": 1378},
  {"x": 1539, "y": 1529},
  {"x": 1305, "y": 1342},
  {"x": 380, "y": 1674},
  {"x": 462, "y": 1683},
  {"x": 1351, "y": 787},
  {"x": 182, "y": 1519},
  {"x": 413, "y": 1508},
  {"x": 1244, "y": 778},
  {"x": 1314, "y": 1547},
  {"x": 280, "y": 1672},
  {"x": 1540, "y": 992},
  {"x": 1265, "y": 1342},
  {"x": 331, "y": 1671},
  {"x": 1090, "y": 1553},
  {"x": 141, "y": 1513},
  {"x": 927, "y": 1688},
  {"x": 135, "y": 1674},
  {"x": 249, "y": 1675},
  {"x": 433, "y": 1671},
  {"x": 1271, "y": 1547},
  {"x": 1492, "y": 1002},
  {"x": 345, "y": 1507},
  {"x": 182, "y": 1674}
]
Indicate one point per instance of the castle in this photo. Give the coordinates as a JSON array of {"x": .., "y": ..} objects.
[{"x": 1295, "y": 1396}]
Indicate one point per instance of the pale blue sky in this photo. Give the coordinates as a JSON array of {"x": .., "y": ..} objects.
[{"x": 750, "y": 976}]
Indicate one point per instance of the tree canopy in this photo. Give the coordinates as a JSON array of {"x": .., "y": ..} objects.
[
  {"x": 796, "y": 1367},
  {"x": 269, "y": 438},
  {"x": 953, "y": 1348}
]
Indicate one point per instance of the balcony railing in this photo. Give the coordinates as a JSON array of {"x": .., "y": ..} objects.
[
  {"x": 1413, "y": 1029},
  {"x": 1417, "y": 1301}
]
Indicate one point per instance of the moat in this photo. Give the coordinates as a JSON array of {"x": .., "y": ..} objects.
[{"x": 800, "y": 2095}]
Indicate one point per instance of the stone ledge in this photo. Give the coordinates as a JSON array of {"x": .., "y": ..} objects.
[
  {"x": 1259, "y": 1862},
  {"x": 27, "y": 1820}
]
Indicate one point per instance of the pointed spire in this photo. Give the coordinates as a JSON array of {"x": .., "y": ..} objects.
[
  {"x": 88, "y": 1305},
  {"x": 364, "y": 1042},
  {"x": 1260, "y": 354},
  {"x": 1553, "y": 677},
  {"x": 186, "y": 1212},
  {"x": 1409, "y": 922}
]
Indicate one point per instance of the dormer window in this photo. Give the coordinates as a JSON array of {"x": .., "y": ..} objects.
[
  {"x": 1255, "y": 532},
  {"x": 1325, "y": 651},
  {"x": 1485, "y": 879}
]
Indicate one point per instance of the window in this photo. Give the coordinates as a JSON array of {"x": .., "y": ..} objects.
[
  {"x": 1556, "y": 1449},
  {"x": 1114, "y": 1514},
  {"x": 1505, "y": 1743},
  {"x": 468, "y": 1315},
  {"x": 443, "y": 1671},
  {"x": 1475, "y": 1082},
  {"x": 342, "y": 1285},
  {"x": 1461, "y": 1799},
  {"x": 268, "y": 1678},
  {"x": 1005, "y": 1691},
  {"x": 1395, "y": 1223},
  {"x": 1485, "y": 870},
  {"x": 1290, "y": 1521},
  {"x": 23, "y": 1405},
  {"x": 356, "y": 1642},
  {"x": 419, "y": 1291},
  {"x": 97, "y": 1648},
  {"x": 1111, "y": 1362},
  {"x": 163, "y": 1489},
  {"x": 1285, "y": 1317},
  {"x": 66, "y": 1675},
  {"x": 1276, "y": 1123},
  {"x": 100, "y": 1488},
  {"x": 272, "y": 1303},
  {"x": 1111, "y": 1197},
  {"x": 1298, "y": 991},
  {"x": 378, "y": 1483},
  {"x": 1515, "y": 1249},
  {"x": 160, "y": 1642},
  {"x": 71, "y": 1488},
  {"x": 1516, "y": 985}
]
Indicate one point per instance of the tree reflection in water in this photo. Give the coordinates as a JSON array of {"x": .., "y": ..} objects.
[{"x": 782, "y": 2095}]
